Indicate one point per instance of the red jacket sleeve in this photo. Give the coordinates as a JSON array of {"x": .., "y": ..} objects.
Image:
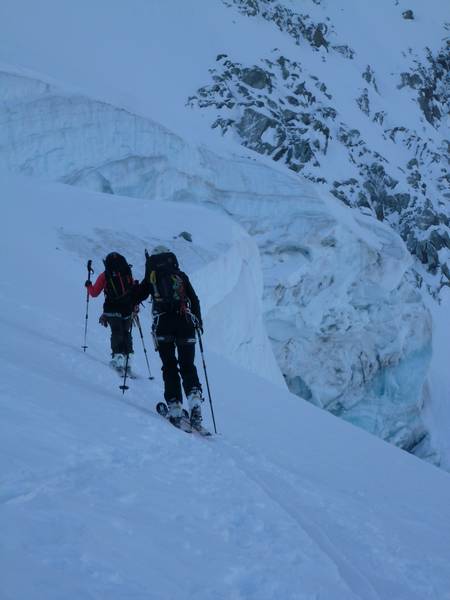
[{"x": 98, "y": 287}]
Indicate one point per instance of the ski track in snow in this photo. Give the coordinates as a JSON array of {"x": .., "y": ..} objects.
[{"x": 288, "y": 489}]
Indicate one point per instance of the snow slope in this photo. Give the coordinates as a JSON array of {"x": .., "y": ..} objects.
[{"x": 102, "y": 499}]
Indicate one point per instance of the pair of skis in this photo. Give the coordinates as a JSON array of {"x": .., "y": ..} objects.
[
  {"x": 161, "y": 408},
  {"x": 184, "y": 423}
]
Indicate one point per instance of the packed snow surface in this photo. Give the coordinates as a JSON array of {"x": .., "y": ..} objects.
[{"x": 102, "y": 499}]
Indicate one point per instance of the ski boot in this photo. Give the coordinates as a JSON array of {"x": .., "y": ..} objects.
[
  {"x": 175, "y": 412},
  {"x": 118, "y": 362},
  {"x": 195, "y": 400}
]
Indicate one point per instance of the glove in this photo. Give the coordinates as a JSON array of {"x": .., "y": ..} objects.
[
  {"x": 87, "y": 283},
  {"x": 103, "y": 321},
  {"x": 135, "y": 313},
  {"x": 199, "y": 325}
]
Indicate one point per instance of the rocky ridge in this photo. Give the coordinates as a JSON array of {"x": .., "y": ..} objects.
[{"x": 280, "y": 108}]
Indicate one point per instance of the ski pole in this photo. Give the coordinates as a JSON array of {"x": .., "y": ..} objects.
[
  {"x": 90, "y": 270},
  {"x": 124, "y": 386},
  {"x": 206, "y": 376},
  {"x": 138, "y": 323}
]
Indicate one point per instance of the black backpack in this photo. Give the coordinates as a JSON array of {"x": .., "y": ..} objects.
[
  {"x": 169, "y": 290},
  {"x": 119, "y": 278}
]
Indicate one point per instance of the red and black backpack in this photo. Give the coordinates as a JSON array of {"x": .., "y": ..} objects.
[{"x": 118, "y": 278}]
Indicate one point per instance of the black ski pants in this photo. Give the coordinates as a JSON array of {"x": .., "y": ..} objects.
[
  {"x": 121, "y": 340},
  {"x": 175, "y": 335}
]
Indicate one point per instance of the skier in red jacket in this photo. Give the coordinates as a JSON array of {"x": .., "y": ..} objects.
[{"x": 117, "y": 283}]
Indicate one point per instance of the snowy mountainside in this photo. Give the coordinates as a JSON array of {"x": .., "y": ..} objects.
[
  {"x": 368, "y": 120},
  {"x": 100, "y": 498},
  {"x": 340, "y": 304}
]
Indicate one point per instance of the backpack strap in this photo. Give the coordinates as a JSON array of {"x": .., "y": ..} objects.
[
  {"x": 152, "y": 279},
  {"x": 111, "y": 283},
  {"x": 121, "y": 282}
]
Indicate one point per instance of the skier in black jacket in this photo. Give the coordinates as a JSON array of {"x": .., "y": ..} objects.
[{"x": 176, "y": 314}]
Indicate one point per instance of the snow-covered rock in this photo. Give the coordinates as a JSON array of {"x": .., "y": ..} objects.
[{"x": 396, "y": 171}]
